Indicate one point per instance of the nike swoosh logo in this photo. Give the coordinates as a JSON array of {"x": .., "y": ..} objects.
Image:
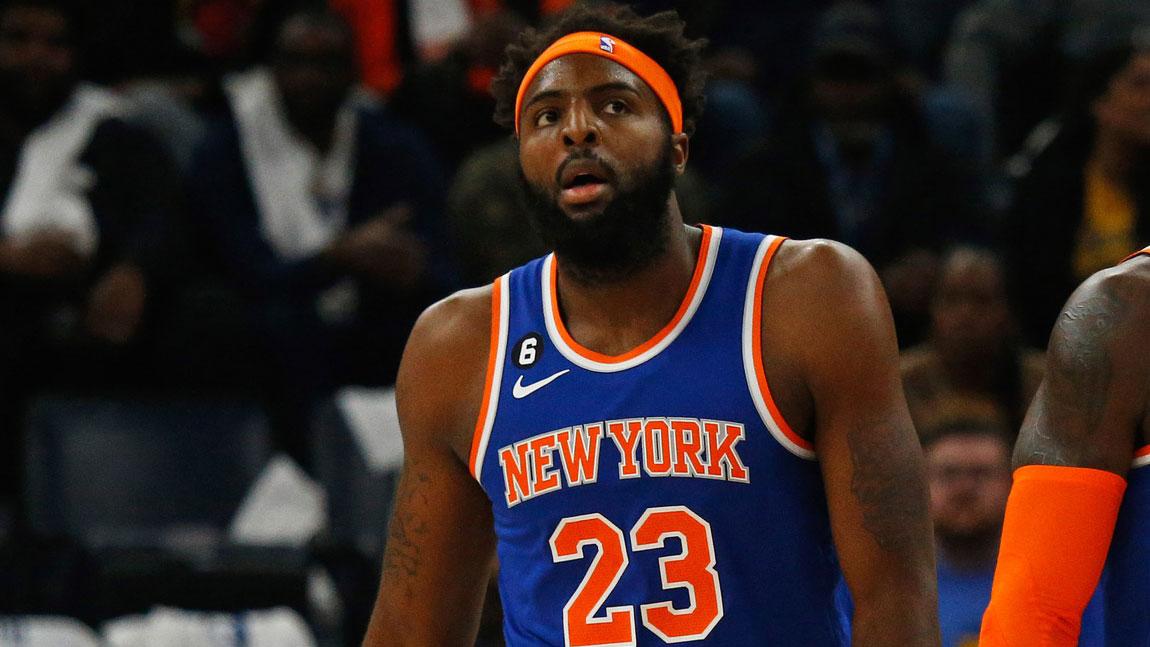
[{"x": 520, "y": 391}]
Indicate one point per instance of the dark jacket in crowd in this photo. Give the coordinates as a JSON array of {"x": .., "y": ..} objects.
[
  {"x": 784, "y": 187},
  {"x": 1041, "y": 232}
]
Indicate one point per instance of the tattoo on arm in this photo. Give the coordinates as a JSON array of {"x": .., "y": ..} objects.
[
  {"x": 887, "y": 482},
  {"x": 408, "y": 528},
  {"x": 1078, "y": 382}
]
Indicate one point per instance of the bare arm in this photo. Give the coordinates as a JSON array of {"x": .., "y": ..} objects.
[
  {"x": 1076, "y": 444},
  {"x": 440, "y": 545},
  {"x": 842, "y": 336},
  {"x": 1094, "y": 396}
]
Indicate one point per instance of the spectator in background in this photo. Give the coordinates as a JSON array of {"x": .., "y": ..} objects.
[
  {"x": 449, "y": 99},
  {"x": 852, "y": 160},
  {"x": 86, "y": 205},
  {"x": 1009, "y": 56},
  {"x": 490, "y": 226},
  {"x": 968, "y": 469},
  {"x": 973, "y": 349},
  {"x": 319, "y": 209},
  {"x": 1085, "y": 203},
  {"x": 398, "y": 34}
]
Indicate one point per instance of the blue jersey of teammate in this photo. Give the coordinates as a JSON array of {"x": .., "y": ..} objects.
[{"x": 654, "y": 497}]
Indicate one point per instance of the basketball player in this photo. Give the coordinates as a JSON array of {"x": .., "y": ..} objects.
[
  {"x": 666, "y": 433},
  {"x": 1085, "y": 442}
]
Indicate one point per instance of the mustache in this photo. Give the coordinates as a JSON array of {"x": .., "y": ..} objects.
[{"x": 586, "y": 154}]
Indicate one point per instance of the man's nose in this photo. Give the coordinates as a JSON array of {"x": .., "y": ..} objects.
[{"x": 580, "y": 127}]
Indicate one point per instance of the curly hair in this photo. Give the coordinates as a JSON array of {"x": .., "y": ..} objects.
[{"x": 659, "y": 36}]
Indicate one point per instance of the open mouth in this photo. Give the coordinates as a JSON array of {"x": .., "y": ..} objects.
[
  {"x": 583, "y": 182},
  {"x": 583, "y": 179}
]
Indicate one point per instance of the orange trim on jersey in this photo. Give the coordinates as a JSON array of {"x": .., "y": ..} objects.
[
  {"x": 481, "y": 423},
  {"x": 1142, "y": 453},
  {"x": 1137, "y": 253},
  {"x": 696, "y": 279},
  {"x": 757, "y": 350}
]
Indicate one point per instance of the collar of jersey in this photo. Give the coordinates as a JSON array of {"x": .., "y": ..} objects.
[{"x": 593, "y": 361}]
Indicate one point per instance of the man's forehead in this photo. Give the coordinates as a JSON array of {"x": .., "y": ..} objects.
[{"x": 575, "y": 72}]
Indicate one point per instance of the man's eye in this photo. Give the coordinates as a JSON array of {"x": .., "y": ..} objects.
[
  {"x": 546, "y": 118},
  {"x": 615, "y": 107}
]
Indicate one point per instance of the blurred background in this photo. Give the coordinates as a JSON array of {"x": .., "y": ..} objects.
[{"x": 220, "y": 219}]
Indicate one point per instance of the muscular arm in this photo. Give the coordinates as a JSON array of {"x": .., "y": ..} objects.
[
  {"x": 440, "y": 545},
  {"x": 836, "y": 324},
  {"x": 1088, "y": 409},
  {"x": 1077, "y": 441}
]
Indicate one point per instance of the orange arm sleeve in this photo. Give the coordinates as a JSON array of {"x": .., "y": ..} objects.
[{"x": 1059, "y": 521}]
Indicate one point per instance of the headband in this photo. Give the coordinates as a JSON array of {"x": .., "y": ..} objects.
[{"x": 609, "y": 47}]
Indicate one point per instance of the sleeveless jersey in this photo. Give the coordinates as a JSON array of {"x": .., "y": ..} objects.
[
  {"x": 657, "y": 496},
  {"x": 1125, "y": 588}
]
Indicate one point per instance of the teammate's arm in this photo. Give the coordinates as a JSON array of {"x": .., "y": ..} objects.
[
  {"x": 440, "y": 545},
  {"x": 842, "y": 336},
  {"x": 1073, "y": 453}
]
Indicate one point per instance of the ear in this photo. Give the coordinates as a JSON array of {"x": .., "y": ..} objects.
[{"x": 680, "y": 149}]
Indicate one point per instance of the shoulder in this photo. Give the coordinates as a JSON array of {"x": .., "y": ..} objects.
[
  {"x": 444, "y": 369},
  {"x": 822, "y": 275},
  {"x": 828, "y": 314},
  {"x": 1097, "y": 382},
  {"x": 1107, "y": 313}
]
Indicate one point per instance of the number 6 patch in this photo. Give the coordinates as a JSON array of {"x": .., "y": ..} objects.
[{"x": 528, "y": 350}]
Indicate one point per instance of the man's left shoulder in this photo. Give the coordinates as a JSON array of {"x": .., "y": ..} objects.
[{"x": 821, "y": 271}]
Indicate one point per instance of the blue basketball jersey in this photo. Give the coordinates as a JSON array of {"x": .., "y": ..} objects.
[
  {"x": 654, "y": 497},
  {"x": 1124, "y": 593}
]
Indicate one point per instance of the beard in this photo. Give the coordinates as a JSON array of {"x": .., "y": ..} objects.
[{"x": 625, "y": 237}]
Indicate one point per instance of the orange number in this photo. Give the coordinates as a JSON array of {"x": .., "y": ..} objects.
[
  {"x": 568, "y": 542},
  {"x": 693, "y": 569}
]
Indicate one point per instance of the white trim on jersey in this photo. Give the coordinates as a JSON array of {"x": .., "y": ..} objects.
[
  {"x": 1141, "y": 461},
  {"x": 496, "y": 375},
  {"x": 749, "y": 333}
]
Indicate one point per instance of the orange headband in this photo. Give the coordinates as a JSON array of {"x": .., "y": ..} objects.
[{"x": 586, "y": 42}]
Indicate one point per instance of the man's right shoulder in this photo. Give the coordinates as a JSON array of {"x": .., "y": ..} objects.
[
  {"x": 444, "y": 370},
  {"x": 1116, "y": 301}
]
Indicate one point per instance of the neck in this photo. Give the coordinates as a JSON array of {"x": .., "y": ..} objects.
[
  {"x": 1114, "y": 156},
  {"x": 969, "y": 553},
  {"x": 615, "y": 316}
]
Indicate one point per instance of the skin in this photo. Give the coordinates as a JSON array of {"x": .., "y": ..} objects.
[
  {"x": 36, "y": 53},
  {"x": 970, "y": 310},
  {"x": 969, "y": 482},
  {"x": 314, "y": 67},
  {"x": 38, "y": 62},
  {"x": 1093, "y": 408},
  {"x": 843, "y": 393},
  {"x": 37, "y": 65}
]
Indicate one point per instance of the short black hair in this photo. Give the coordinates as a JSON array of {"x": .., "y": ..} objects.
[
  {"x": 659, "y": 36},
  {"x": 270, "y": 21}
]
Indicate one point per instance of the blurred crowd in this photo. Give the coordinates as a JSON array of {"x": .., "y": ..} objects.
[{"x": 256, "y": 198}]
